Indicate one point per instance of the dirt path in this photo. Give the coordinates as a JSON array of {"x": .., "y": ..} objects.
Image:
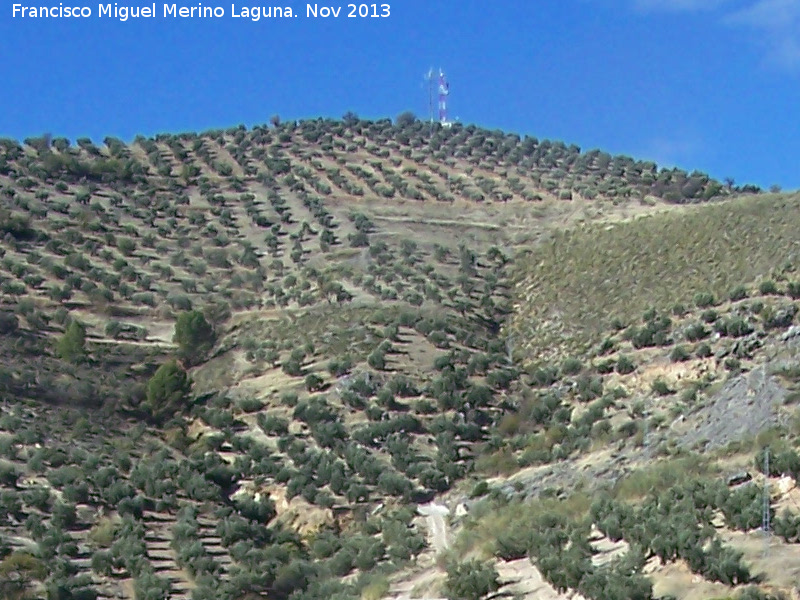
[
  {"x": 147, "y": 343},
  {"x": 435, "y": 517},
  {"x": 445, "y": 222}
]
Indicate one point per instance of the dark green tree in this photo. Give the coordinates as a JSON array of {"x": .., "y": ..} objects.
[
  {"x": 167, "y": 389},
  {"x": 194, "y": 336},
  {"x": 72, "y": 345},
  {"x": 8, "y": 323},
  {"x": 404, "y": 119}
]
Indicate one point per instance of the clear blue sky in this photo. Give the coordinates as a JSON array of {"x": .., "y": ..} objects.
[{"x": 701, "y": 84}]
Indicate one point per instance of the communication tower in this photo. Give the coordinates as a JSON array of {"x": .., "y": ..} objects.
[
  {"x": 765, "y": 521},
  {"x": 444, "y": 92}
]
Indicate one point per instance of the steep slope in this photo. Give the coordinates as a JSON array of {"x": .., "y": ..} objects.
[
  {"x": 576, "y": 284},
  {"x": 358, "y": 277}
]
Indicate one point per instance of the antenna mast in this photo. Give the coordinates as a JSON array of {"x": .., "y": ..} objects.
[
  {"x": 444, "y": 92},
  {"x": 765, "y": 524},
  {"x": 429, "y": 79}
]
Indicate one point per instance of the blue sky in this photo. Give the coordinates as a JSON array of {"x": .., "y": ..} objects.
[{"x": 702, "y": 84}]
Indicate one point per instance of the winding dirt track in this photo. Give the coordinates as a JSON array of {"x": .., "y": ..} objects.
[{"x": 437, "y": 525}]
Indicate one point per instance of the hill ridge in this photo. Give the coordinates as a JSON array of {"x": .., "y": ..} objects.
[{"x": 365, "y": 301}]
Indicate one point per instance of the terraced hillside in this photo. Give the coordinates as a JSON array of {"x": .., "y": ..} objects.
[{"x": 235, "y": 364}]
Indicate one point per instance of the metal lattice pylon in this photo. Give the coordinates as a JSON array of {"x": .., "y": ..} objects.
[
  {"x": 444, "y": 91},
  {"x": 765, "y": 520}
]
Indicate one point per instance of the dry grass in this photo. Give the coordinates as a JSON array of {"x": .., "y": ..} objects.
[
  {"x": 661, "y": 476},
  {"x": 571, "y": 287}
]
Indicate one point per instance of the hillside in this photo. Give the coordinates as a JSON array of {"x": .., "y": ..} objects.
[{"x": 407, "y": 349}]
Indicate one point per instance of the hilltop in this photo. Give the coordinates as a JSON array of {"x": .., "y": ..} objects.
[{"x": 273, "y": 361}]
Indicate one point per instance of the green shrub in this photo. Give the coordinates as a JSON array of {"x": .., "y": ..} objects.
[
  {"x": 8, "y": 323},
  {"x": 377, "y": 360},
  {"x": 126, "y": 245},
  {"x": 703, "y": 351},
  {"x": 64, "y": 516},
  {"x": 696, "y": 332},
  {"x": 733, "y": 326},
  {"x": 544, "y": 376},
  {"x": 738, "y": 293},
  {"x": 314, "y": 382},
  {"x": 471, "y": 580},
  {"x": 768, "y": 288},
  {"x": 340, "y": 366},
  {"x": 261, "y": 511},
  {"x": 625, "y": 365},
  {"x": 72, "y": 345},
  {"x": 732, "y": 364},
  {"x": 778, "y": 318},
  {"x": 167, "y": 389},
  {"x": 571, "y": 366},
  {"x": 18, "y": 570},
  {"x": 18, "y": 226},
  {"x": 787, "y": 526},
  {"x": 103, "y": 563},
  {"x": 194, "y": 336},
  {"x": 704, "y": 299},
  {"x": 679, "y": 354},
  {"x": 149, "y": 586},
  {"x": 660, "y": 387},
  {"x": 743, "y": 507},
  {"x": 250, "y": 405},
  {"x": 481, "y": 489}
]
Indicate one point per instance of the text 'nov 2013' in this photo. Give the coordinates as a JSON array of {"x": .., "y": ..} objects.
[{"x": 199, "y": 11}]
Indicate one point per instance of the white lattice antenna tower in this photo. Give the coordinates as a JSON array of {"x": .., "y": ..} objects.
[
  {"x": 765, "y": 520},
  {"x": 444, "y": 92}
]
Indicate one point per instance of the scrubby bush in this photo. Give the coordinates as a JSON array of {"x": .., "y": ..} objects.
[
  {"x": 340, "y": 366},
  {"x": 167, "y": 389},
  {"x": 194, "y": 336},
  {"x": 261, "y": 511},
  {"x": 733, "y": 326},
  {"x": 250, "y": 405},
  {"x": 738, "y": 293},
  {"x": 571, "y": 366},
  {"x": 377, "y": 360},
  {"x": 314, "y": 382},
  {"x": 704, "y": 299},
  {"x": 743, "y": 507},
  {"x": 696, "y": 332},
  {"x": 8, "y": 323},
  {"x": 787, "y": 526},
  {"x": 72, "y": 345},
  {"x": 768, "y": 287},
  {"x": 471, "y": 580},
  {"x": 679, "y": 354},
  {"x": 661, "y": 388},
  {"x": 703, "y": 351},
  {"x": 625, "y": 365}
]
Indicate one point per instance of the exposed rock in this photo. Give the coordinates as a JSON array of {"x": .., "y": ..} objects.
[
  {"x": 791, "y": 333},
  {"x": 785, "y": 485},
  {"x": 739, "y": 478},
  {"x": 746, "y": 405}
]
